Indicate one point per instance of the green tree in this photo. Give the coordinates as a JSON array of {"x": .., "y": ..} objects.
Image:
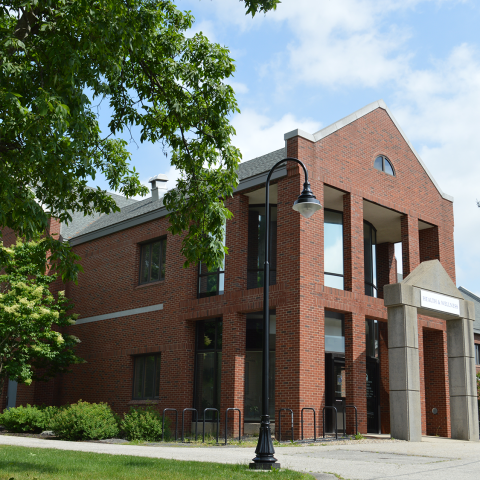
[
  {"x": 31, "y": 348},
  {"x": 58, "y": 58}
]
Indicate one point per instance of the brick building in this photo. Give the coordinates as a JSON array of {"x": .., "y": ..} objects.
[{"x": 153, "y": 331}]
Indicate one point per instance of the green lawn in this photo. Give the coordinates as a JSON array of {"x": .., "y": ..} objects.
[{"x": 21, "y": 463}]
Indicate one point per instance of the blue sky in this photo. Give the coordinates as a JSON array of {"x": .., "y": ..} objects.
[{"x": 312, "y": 62}]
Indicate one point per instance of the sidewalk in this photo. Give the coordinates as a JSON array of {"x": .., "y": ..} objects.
[{"x": 432, "y": 459}]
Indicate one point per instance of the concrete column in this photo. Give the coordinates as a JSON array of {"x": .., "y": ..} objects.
[
  {"x": 462, "y": 379},
  {"x": 404, "y": 378},
  {"x": 410, "y": 244}
]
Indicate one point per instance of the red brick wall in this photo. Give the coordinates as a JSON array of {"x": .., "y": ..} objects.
[
  {"x": 386, "y": 266},
  {"x": 429, "y": 246},
  {"x": 343, "y": 160},
  {"x": 384, "y": 382},
  {"x": 356, "y": 370},
  {"x": 436, "y": 395}
]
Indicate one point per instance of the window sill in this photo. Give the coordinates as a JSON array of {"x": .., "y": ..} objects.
[
  {"x": 151, "y": 284},
  {"x": 143, "y": 402}
]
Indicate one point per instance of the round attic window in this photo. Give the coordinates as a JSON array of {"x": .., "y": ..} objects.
[{"x": 383, "y": 164}]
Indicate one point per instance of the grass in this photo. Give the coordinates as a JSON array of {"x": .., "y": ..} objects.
[{"x": 23, "y": 463}]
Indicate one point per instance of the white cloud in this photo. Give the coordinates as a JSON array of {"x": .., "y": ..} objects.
[
  {"x": 259, "y": 134},
  {"x": 238, "y": 87},
  {"x": 438, "y": 109}
]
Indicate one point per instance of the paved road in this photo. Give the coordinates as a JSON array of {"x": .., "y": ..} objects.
[{"x": 432, "y": 459}]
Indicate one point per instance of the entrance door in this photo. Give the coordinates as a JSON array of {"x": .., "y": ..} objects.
[
  {"x": 335, "y": 392},
  {"x": 373, "y": 414},
  {"x": 11, "y": 394}
]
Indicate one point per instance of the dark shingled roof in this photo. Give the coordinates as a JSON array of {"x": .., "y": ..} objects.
[
  {"x": 132, "y": 208},
  {"x": 468, "y": 295}
]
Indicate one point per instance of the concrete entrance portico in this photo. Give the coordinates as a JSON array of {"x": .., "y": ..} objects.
[{"x": 404, "y": 301}]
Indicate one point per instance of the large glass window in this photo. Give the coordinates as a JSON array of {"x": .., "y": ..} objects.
[
  {"x": 371, "y": 340},
  {"x": 152, "y": 261},
  {"x": 146, "y": 378},
  {"x": 208, "y": 366},
  {"x": 256, "y": 245},
  {"x": 477, "y": 354},
  {"x": 334, "y": 332},
  {"x": 370, "y": 259},
  {"x": 211, "y": 281},
  {"x": 333, "y": 249},
  {"x": 253, "y": 366}
]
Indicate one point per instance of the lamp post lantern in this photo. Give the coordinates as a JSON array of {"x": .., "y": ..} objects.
[{"x": 306, "y": 204}]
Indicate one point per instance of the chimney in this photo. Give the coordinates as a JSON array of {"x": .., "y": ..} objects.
[{"x": 158, "y": 186}]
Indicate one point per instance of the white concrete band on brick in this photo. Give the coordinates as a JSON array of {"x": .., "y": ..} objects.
[{"x": 123, "y": 313}]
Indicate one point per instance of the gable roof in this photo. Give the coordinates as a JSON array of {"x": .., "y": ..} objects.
[
  {"x": 250, "y": 173},
  {"x": 83, "y": 229},
  {"x": 324, "y": 132}
]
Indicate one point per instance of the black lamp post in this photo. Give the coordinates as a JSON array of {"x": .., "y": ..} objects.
[{"x": 306, "y": 205}]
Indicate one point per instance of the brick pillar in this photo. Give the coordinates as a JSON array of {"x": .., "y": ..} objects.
[
  {"x": 384, "y": 385},
  {"x": 353, "y": 243},
  {"x": 436, "y": 383},
  {"x": 410, "y": 244},
  {"x": 421, "y": 359},
  {"x": 356, "y": 369},
  {"x": 233, "y": 369},
  {"x": 237, "y": 243},
  {"x": 446, "y": 248},
  {"x": 429, "y": 246},
  {"x": 386, "y": 266}
]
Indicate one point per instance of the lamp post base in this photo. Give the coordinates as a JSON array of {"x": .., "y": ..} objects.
[
  {"x": 263, "y": 466},
  {"x": 264, "y": 459}
]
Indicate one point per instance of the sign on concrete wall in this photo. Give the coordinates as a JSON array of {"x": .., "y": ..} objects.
[{"x": 439, "y": 302}]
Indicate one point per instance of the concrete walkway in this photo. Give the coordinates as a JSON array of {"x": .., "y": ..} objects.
[{"x": 432, "y": 459}]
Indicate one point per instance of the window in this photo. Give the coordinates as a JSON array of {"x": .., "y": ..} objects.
[
  {"x": 256, "y": 245},
  {"x": 211, "y": 281},
  {"x": 370, "y": 259},
  {"x": 152, "y": 261},
  {"x": 477, "y": 354},
  {"x": 371, "y": 340},
  {"x": 208, "y": 367},
  {"x": 333, "y": 249},
  {"x": 383, "y": 164},
  {"x": 146, "y": 377},
  {"x": 334, "y": 332},
  {"x": 254, "y": 363}
]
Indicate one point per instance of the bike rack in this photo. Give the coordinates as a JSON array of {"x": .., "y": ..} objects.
[
  {"x": 280, "y": 422},
  {"x": 218, "y": 421},
  {"x": 239, "y": 423},
  {"x": 163, "y": 421},
  {"x": 196, "y": 421},
  {"x": 345, "y": 419},
  {"x": 323, "y": 419},
  {"x": 314, "y": 422}
]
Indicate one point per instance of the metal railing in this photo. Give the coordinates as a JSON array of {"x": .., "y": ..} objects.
[
  {"x": 323, "y": 419},
  {"x": 183, "y": 423},
  {"x": 239, "y": 423},
  {"x": 163, "y": 421},
  {"x": 280, "y": 422},
  {"x": 218, "y": 421},
  {"x": 314, "y": 422},
  {"x": 345, "y": 419}
]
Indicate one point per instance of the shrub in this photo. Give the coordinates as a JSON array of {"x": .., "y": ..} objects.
[
  {"x": 85, "y": 421},
  {"x": 144, "y": 424},
  {"x": 28, "y": 419}
]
